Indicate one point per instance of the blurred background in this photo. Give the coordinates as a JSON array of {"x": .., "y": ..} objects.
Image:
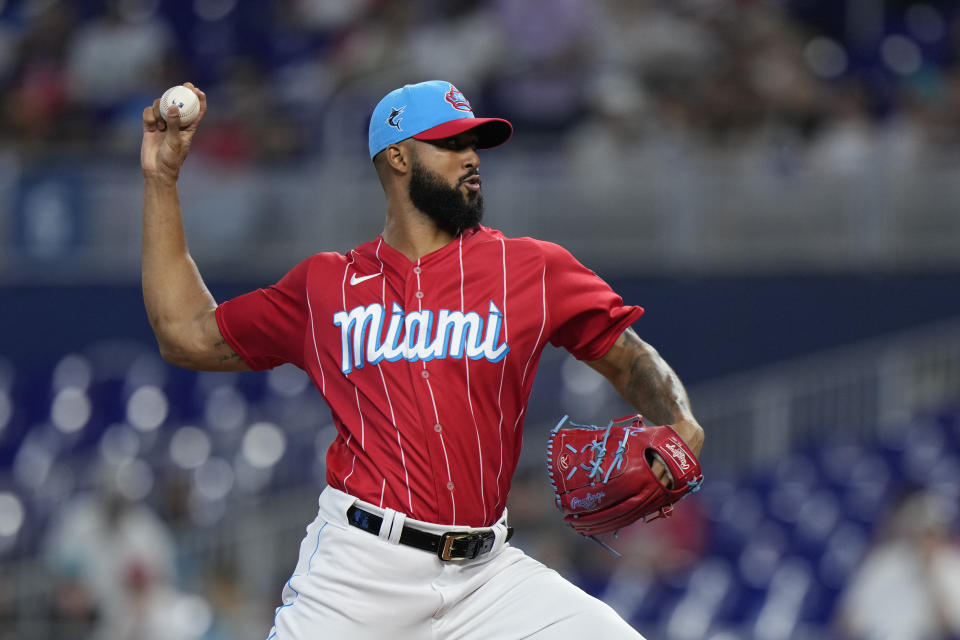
[{"x": 774, "y": 180}]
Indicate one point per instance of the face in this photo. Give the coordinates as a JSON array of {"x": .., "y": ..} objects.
[{"x": 445, "y": 182}]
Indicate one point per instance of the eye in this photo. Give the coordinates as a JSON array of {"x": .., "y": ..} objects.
[{"x": 456, "y": 143}]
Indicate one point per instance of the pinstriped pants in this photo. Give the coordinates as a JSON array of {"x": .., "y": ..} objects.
[{"x": 352, "y": 585}]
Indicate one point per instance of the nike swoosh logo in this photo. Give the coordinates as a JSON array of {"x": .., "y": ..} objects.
[{"x": 354, "y": 280}]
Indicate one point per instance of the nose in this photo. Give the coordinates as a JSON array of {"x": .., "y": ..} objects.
[{"x": 471, "y": 159}]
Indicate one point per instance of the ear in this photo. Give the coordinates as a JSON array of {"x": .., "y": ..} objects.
[{"x": 399, "y": 157}]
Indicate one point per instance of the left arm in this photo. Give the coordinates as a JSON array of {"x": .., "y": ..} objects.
[{"x": 647, "y": 382}]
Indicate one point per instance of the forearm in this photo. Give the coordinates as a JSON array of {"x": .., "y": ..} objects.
[
  {"x": 174, "y": 294},
  {"x": 645, "y": 380},
  {"x": 652, "y": 387}
]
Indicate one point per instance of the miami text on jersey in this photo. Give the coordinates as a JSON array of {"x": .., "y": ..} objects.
[{"x": 413, "y": 336}]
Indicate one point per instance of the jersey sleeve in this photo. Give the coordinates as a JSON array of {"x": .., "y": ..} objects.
[
  {"x": 266, "y": 327},
  {"x": 586, "y": 315}
]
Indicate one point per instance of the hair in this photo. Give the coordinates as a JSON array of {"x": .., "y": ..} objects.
[{"x": 380, "y": 166}]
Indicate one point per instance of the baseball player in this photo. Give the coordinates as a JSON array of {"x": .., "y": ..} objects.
[{"x": 424, "y": 343}]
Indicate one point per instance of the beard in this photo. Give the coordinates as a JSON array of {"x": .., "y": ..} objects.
[{"x": 446, "y": 206}]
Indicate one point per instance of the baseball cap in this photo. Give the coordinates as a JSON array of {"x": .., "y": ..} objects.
[{"x": 430, "y": 111}]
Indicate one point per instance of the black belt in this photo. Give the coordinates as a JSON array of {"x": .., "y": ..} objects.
[{"x": 451, "y": 545}]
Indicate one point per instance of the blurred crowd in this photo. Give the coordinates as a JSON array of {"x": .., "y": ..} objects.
[{"x": 605, "y": 75}]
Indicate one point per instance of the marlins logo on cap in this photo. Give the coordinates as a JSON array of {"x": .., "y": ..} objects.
[
  {"x": 430, "y": 110},
  {"x": 394, "y": 119}
]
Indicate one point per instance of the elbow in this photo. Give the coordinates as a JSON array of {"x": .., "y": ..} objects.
[
  {"x": 189, "y": 342},
  {"x": 173, "y": 353},
  {"x": 174, "y": 348},
  {"x": 170, "y": 355}
]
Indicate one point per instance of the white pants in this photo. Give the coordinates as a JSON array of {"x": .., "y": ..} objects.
[{"x": 352, "y": 585}]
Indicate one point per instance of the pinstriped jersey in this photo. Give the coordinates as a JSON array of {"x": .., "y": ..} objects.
[{"x": 427, "y": 366}]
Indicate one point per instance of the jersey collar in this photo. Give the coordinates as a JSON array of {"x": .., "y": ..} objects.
[{"x": 378, "y": 249}]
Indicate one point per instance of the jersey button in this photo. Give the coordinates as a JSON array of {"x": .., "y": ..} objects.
[
  {"x": 450, "y": 486},
  {"x": 425, "y": 373},
  {"x": 417, "y": 270},
  {"x": 438, "y": 427},
  {"x": 419, "y": 294}
]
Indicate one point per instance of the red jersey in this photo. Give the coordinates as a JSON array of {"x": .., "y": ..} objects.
[{"x": 427, "y": 366}]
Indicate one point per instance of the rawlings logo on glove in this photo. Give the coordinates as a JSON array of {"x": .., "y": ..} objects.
[{"x": 602, "y": 477}]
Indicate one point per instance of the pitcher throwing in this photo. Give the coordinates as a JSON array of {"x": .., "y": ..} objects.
[{"x": 424, "y": 343}]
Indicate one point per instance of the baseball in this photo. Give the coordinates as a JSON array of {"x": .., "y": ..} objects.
[{"x": 185, "y": 99}]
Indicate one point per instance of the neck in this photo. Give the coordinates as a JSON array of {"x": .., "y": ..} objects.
[{"x": 412, "y": 233}]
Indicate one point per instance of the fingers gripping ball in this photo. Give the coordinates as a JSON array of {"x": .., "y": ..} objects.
[
  {"x": 602, "y": 476},
  {"x": 185, "y": 99}
]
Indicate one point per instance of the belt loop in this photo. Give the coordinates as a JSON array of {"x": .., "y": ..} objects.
[
  {"x": 499, "y": 536},
  {"x": 397, "y": 528},
  {"x": 387, "y": 524}
]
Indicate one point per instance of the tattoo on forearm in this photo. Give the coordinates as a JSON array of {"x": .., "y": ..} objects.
[{"x": 653, "y": 387}]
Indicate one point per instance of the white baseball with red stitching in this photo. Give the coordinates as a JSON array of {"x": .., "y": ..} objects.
[{"x": 185, "y": 99}]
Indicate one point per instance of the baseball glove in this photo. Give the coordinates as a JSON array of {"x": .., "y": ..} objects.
[{"x": 602, "y": 476}]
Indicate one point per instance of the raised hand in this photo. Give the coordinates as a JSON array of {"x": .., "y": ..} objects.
[{"x": 165, "y": 144}]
